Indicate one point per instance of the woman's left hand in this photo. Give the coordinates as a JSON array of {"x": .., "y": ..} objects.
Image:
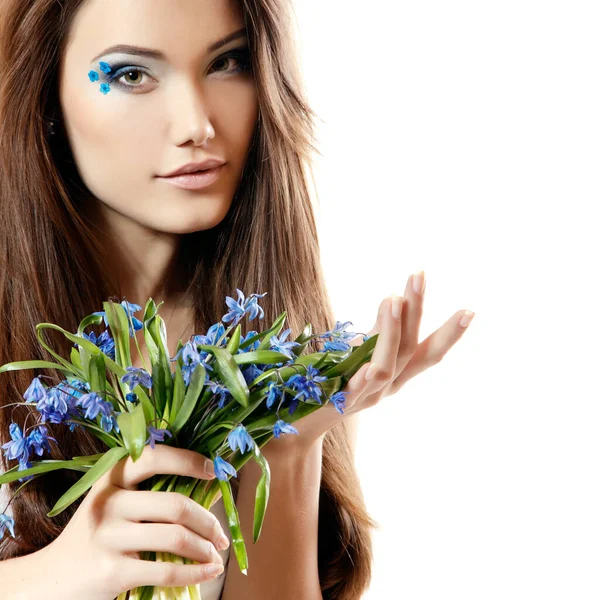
[{"x": 396, "y": 359}]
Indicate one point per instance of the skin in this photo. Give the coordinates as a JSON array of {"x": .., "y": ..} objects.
[
  {"x": 397, "y": 358},
  {"x": 185, "y": 108},
  {"x": 186, "y": 111}
]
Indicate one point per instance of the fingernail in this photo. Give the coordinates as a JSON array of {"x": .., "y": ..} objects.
[
  {"x": 223, "y": 543},
  {"x": 418, "y": 280},
  {"x": 209, "y": 467},
  {"x": 396, "y": 307},
  {"x": 466, "y": 318},
  {"x": 215, "y": 569},
  {"x": 370, "y": 372}
]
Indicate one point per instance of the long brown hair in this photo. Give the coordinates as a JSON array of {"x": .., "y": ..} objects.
[{"x": 51, "y": 269}]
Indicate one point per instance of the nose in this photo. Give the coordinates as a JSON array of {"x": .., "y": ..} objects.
[{"x": 191, "y": 118}]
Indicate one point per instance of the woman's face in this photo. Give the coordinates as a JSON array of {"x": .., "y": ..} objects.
[{"x": 159, "y": 113}]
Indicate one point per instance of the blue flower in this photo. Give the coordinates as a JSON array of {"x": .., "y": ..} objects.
[
  {"x": 242, "y": 307},
  {"x": 135, "y": 376},
  {"x": 251, "y": 347},
  {"x": 104, "y": 342},
  {"x": 222, "y": 468},
  {"x": 35, "y": 392},
  {"x": 93, "y": 75},
  {"x": 38, "y": 440},
  {"x": 341, "y": 337},
  {"x": 283, "y": 427},
  {"x": 57, "y": 406},
  {"x": 339, "y": 401},
  {"x": 93, "y": 404},
  {"x": 191, "y": 358},
  {"x": 306, "y": 386},
  {"x": 279, "y": 345},
  {"x": 108, "y": 420},
  {"x": 251, "y": 372},
  {"x": 239, "y": 438},
  {"x": 157, "y": 435},
  {"x": 274, "y": 394},
  {"x": 215, "y": 332},
  {"x": 104, "y": 88},
  {"x": 18, "y": 447},
  {"x": 129, "y": 310},
  {"x": 8, "y": 523},
  {"x": 219, "y": 391},
  {"x": 131, "y": 397},
  {"x": 105, "y": 67}
]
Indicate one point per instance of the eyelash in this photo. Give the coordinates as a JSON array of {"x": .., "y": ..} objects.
[{"x": 242, "y": 55}]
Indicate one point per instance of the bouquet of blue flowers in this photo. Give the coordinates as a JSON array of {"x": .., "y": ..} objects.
[{"x": 223, "y": 394}]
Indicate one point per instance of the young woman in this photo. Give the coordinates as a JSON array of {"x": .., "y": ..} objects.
[{"x": 100, "y": 102}]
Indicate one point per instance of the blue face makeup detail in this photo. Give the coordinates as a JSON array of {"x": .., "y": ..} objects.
[{"x": 93, "y": 76}]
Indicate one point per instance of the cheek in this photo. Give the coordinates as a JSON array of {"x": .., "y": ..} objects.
[
  {"x": 237, "y": 116},
  {"x": 108, "y": 147}
]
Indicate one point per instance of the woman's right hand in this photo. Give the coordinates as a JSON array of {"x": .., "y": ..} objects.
[{"x": 98, "y": 551}]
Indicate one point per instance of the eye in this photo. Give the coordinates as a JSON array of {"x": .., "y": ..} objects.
[
  {"x": 127, "y": 76},
  {"x": 239, "y": 55}
]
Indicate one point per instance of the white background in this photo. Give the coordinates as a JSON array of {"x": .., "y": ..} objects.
[{"x": 463, "y": 138}]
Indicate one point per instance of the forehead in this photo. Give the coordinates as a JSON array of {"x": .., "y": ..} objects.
[{"x": 182, "y": 29}]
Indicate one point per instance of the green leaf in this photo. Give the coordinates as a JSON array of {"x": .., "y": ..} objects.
[
  {"x": 133, "y": 429},
  {"x": 89, "y": 320},
  {"x": 178, "y": 392},
  {"x": 262, "y": 492},
  {"x": 109, "y": 460},
  {"x": 234, "y": 342},
  {"x": 303, "y": 339},
  {"x": 229, "y": 372},
  {"x": 360, "y": 355},
  {"x": 264, "y": 357},
  {"x": 149, "y": 310},
  {"x": 44, "y": 467},
  {"x": 34, "y": 364},
  {"x": 288, "y": 371},
  {"x": 233, "y": 519},
  {"x": 119, "y": 326},
  {"x": 265, "y": 335},
  {"x": 155, "y": 334},
  {"x": 274, "y": 330},
  {"x": 43, "y": 343},
  {"x": 76, "y": 358},
  {"x": 197, "y": 380},
  {"x": 97, "y": 374}
]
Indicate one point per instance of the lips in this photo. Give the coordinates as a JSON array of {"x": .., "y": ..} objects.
[
  {"x": 196, "y": 167},
  {"x": 195, "y": 180}
]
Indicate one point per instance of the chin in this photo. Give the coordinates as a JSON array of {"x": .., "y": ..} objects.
[{"x": 184, "y": 221}]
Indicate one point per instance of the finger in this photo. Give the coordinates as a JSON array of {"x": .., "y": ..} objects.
[
  {"x": 412, "y": 313},
  {"x": 355, "y": 388},
  {"x": 383, "y": 359},
  {"x": 164, "y": 574},
  {"x": 431, "y": 350},
  {"x": 160, "y": 537},
  {"x": 159, "y": 460},
  {"x": 167, "y": 507}
]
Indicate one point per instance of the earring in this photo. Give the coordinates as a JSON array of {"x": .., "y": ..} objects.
[{"x": 49, "y": 127}]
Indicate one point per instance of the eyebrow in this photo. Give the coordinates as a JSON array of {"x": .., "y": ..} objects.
[{"x": 157, "y": 54}]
